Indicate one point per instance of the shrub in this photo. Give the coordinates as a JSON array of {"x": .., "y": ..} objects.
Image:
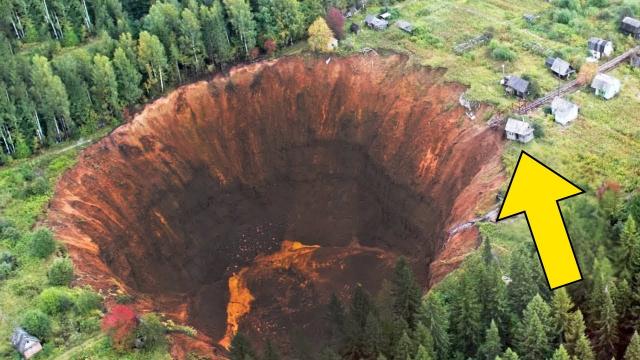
[
  {"x": 123, "y": 298},
  {"x": 39, "y": 186},
  {"x": 563, "y": 16},
  {"x": 538, "y": 130},
  {"x": 270, "y": 47},
  {"x": 335, "y": 20},
  {"x": 11, "y": 234},
  {"x": 120, "y": 324},
  {"x": 501, "y": 52},
  {"x": 61, "y": 272},
  {"x": 42, "y": 244},
  {"x": 5, "y": 270},
  {"x": 36, "y": 323},
  {"x": 55, "y": 301},
  {"x": 88, "y": 300},
  {"x": 151, "y": 331}
]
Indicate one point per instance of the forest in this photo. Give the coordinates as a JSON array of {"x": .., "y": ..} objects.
[
  {"x": 477, "y": 314},
  {"x": 71, "y": 67}
]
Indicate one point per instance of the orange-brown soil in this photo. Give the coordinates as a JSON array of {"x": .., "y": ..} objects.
[{"x": 245, "y": 201}]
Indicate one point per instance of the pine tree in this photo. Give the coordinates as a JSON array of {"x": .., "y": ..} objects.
[
  {"x": 561, "y": 354},
  {"x": 423, "y": 354},
  {"x": 606, "y": 325},
  {"x": 405, "y": 293},
  {"x": 319, "y": 36},
  {"x": 241, "y": 348},
  {"x": 404, "y": 348},
  {"x": 523, "y": 285},
  {"x": 561, "y": 305},
  {"x": 633, "y": 349},
  {"x": 336, "y": 315},
  {"x": 422, "y": 337},
  {"x": 492, "y": 345},
  {"x": 532, "y": 337},
  {"x": 466, "y": 308},
  {"x": 373, "y": 335},
  {"x": 583, "y": 350},
  {"x": 434, "y": 314},
  {"x": 574, "y": 331},
  {"x": 128, "y": 78},
  {"x": 629, "y": 249}
]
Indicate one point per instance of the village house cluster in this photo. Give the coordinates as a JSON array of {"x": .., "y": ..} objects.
[{"x": 563, "y": 110}]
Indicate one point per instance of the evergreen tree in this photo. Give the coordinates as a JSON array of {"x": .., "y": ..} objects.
[
  {"x": 434, "y": 314},
  {"x": 105, "y": 85},
  {"x": 493, "y": 291},
  {"x": 423, "y": 354},
  {"x": 311, "y": 9},
  {"x": 605, "y": 324},
  {"x": 561, "y": 305},
  {"x": 561, "y": 354},
  {"x": 128, "y": 78},
  {"x": 405, "y": 293},
  {"x": 373, "y": 336},
  {"x": 404, "y": 348},
  {"x": 532, "y": 337},
  {"x": 215, "y": 33},
  {"x": 583, "y": 350},
  {"x": 523, "y": 285},
  {"x": 574, "y": 331},
  {"x": 492, "y": 345},
  {"x": 422, "y": 337},
  {"x": 633, "y": 350},
  {"x": 629, "y": 249},
  {"x": 466, "y": 308},
  {"x": 241, "y": 19}
]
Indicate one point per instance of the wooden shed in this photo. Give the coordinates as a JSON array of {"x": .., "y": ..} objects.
[
  {"x": 631, "y": 26},
  {"x": 517, "y": 130}
]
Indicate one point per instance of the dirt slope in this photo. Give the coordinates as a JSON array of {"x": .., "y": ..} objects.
[{"x": 276, "y": 186}]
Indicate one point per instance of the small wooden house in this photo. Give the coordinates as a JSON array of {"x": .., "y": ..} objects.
[
  {"x": 606, "y": 86},
  {"x": 559, "y": 67},
  {"x": 599, "y": 48},
  {"x": 564, "y": 111},
  {"x": 405, "y": 26},
  {"x": 517, "y": 130},
  {"x": 375, "y": 23},
  {"x": 25, "y": 344},
  {"x": 631, "y": 26},
  {"x": 516, "y": 86}
]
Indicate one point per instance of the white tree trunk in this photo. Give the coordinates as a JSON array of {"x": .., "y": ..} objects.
[
  {"x": 87, "y": 19},
  {"x": 161, "y": 81},
  {"x": 38, "y": 127},
  {"x": 195, "y": 54},
  {"x": 5, "y": 142}
]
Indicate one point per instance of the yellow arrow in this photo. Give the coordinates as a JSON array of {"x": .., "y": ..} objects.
[{"x": 536, "y": 191}]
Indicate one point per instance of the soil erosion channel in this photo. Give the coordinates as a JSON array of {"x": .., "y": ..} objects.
[{"x": 247, "y": 200}]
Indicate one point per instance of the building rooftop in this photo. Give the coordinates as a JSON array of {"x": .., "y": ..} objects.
[
  {"x": 518, "y": 127},
  {"x": 517, "y": 84},
  {"x": 604, "y": 81}
]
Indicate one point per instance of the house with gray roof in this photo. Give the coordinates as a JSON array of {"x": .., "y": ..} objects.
[
  {"x": 27, "y": 345},
  {"x": 375, "y": 23},
  {"x": 559, "y": 67},
  {"x": 606, "y": 86},
  {"x": 516, "y": 86},
  {"x": 631, "y": 26},
  {"x": 599, "y": 48},
  {"x": 564, "y": 111},
  {"x": 405, "y": 26},
  {"x": 517, "y": 130}
]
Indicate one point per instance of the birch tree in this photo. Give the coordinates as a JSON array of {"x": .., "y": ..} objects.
[
  {"x": 215, "y": 33},
  {"x": 105, "y": 85},
  {"x": 128, "y": 78},
  {"x": 244, "y": 25},
  {"x": 191, "y": 39},
  {"x": 152, "y": 59},
  {"x": 51, "y": 99}
]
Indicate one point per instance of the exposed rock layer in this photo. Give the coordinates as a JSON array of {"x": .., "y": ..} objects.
[{"x": 366, "y": 158}]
